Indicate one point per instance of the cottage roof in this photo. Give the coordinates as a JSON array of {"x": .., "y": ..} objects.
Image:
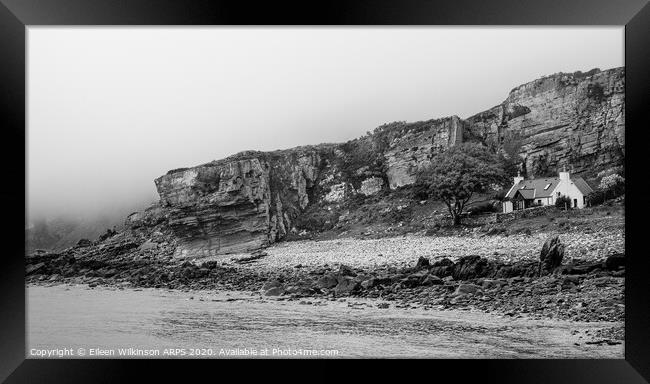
[
  {"x": 582, "y": 185},
  {"x": 525, "y": 193},
  {"x": 540, "y": 188}
]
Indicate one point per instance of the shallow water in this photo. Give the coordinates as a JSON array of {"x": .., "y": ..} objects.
[{"x": 231, "y": 324}]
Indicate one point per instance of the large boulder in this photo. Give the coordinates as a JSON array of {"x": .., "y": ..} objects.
[
  {"x": 414, "y": 279},
  {"x": 346, "y": 286},
  {"x": 367, "y": 284},
  {"x": 551, "y": 255},
  {"x": 275, "y": 291},
  {"x": 344, "y": 270},
  {"x": 327, "y": 281},
  {"x": 300, "y": 290},
  {"x": 470, "y": 267},
  {"x": 271, "y": 284},
  {"x": 442, "y": 268},
  {"x": 614, "y": 262},
  {"x": 423, "y": 262}
]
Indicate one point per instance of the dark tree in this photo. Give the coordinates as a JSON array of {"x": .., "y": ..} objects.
[
  {"x": 456, "y": 174},
  {"x": 563, "y": 202}
]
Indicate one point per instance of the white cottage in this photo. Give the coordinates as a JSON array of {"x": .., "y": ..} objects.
[{"x": 528, "y": 193}]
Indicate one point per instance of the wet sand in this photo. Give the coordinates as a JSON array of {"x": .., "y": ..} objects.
[{"x": 227, "y": 324}]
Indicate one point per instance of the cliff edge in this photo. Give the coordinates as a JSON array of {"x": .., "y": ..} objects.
[{"x": 252, "y": 199}]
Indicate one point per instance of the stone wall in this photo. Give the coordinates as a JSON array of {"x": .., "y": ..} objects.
[
  {"x": 528, "y": 212},
  {"x": 480, "y": 219}
]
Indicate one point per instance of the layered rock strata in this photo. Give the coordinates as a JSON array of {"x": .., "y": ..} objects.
[
  {"x": 237, "y": 204},
  {"x": 573, "y": 120},
  {"x": 249, "y": 200},
  {"x": 413, "y": 147}
]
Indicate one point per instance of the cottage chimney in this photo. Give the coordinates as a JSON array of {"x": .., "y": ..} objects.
[
  {"x": 564, "y": 175},
  {"x": 518, "y": 179}
]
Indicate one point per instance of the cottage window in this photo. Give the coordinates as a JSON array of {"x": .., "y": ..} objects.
[
  {"x": 558, "y": 194},
  {"x": 547, "y": 185}
]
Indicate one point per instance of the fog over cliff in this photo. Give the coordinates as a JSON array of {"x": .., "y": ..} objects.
[{"x": 111, "y": 109}]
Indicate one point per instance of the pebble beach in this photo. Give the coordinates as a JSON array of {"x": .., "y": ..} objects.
[{"x": 403, "y": 250}]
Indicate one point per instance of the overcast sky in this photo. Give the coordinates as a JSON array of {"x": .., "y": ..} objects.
[{"x": 110, "y": 109}]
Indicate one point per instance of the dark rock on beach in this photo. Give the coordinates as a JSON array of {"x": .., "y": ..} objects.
[
  {"x": 327, "y": 281},
  {"x": 471, "y": 267},
  {"x": 614, "y": 262},
  {"x": 344, "y": 270},
  {"x": 551, "y": 255},
  {"x": 346, "y": 285},
  {"x": 423, "y": 262}
]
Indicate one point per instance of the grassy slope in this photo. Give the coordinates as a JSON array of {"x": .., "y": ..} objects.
[{"x": 400, "y": 212}]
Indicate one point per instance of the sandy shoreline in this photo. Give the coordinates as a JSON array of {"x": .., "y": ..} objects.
[{"x": 498, "y": 334}]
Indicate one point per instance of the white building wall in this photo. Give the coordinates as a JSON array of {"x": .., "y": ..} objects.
[
  {"x": 545, "y": 200},
  {"x": 507, "y": 205},
  {"x": 566, "y": 187}
]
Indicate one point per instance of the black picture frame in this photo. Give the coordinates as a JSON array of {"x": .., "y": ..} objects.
[{"x": 16, "y": 15}]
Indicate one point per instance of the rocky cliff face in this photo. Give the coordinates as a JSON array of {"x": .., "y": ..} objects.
[
  {"x": 412, "y": 147},
  {"x": 237, "y": 204},
  {"x": 252, "y": 199},
  {"x": 573, "y": 120}
]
